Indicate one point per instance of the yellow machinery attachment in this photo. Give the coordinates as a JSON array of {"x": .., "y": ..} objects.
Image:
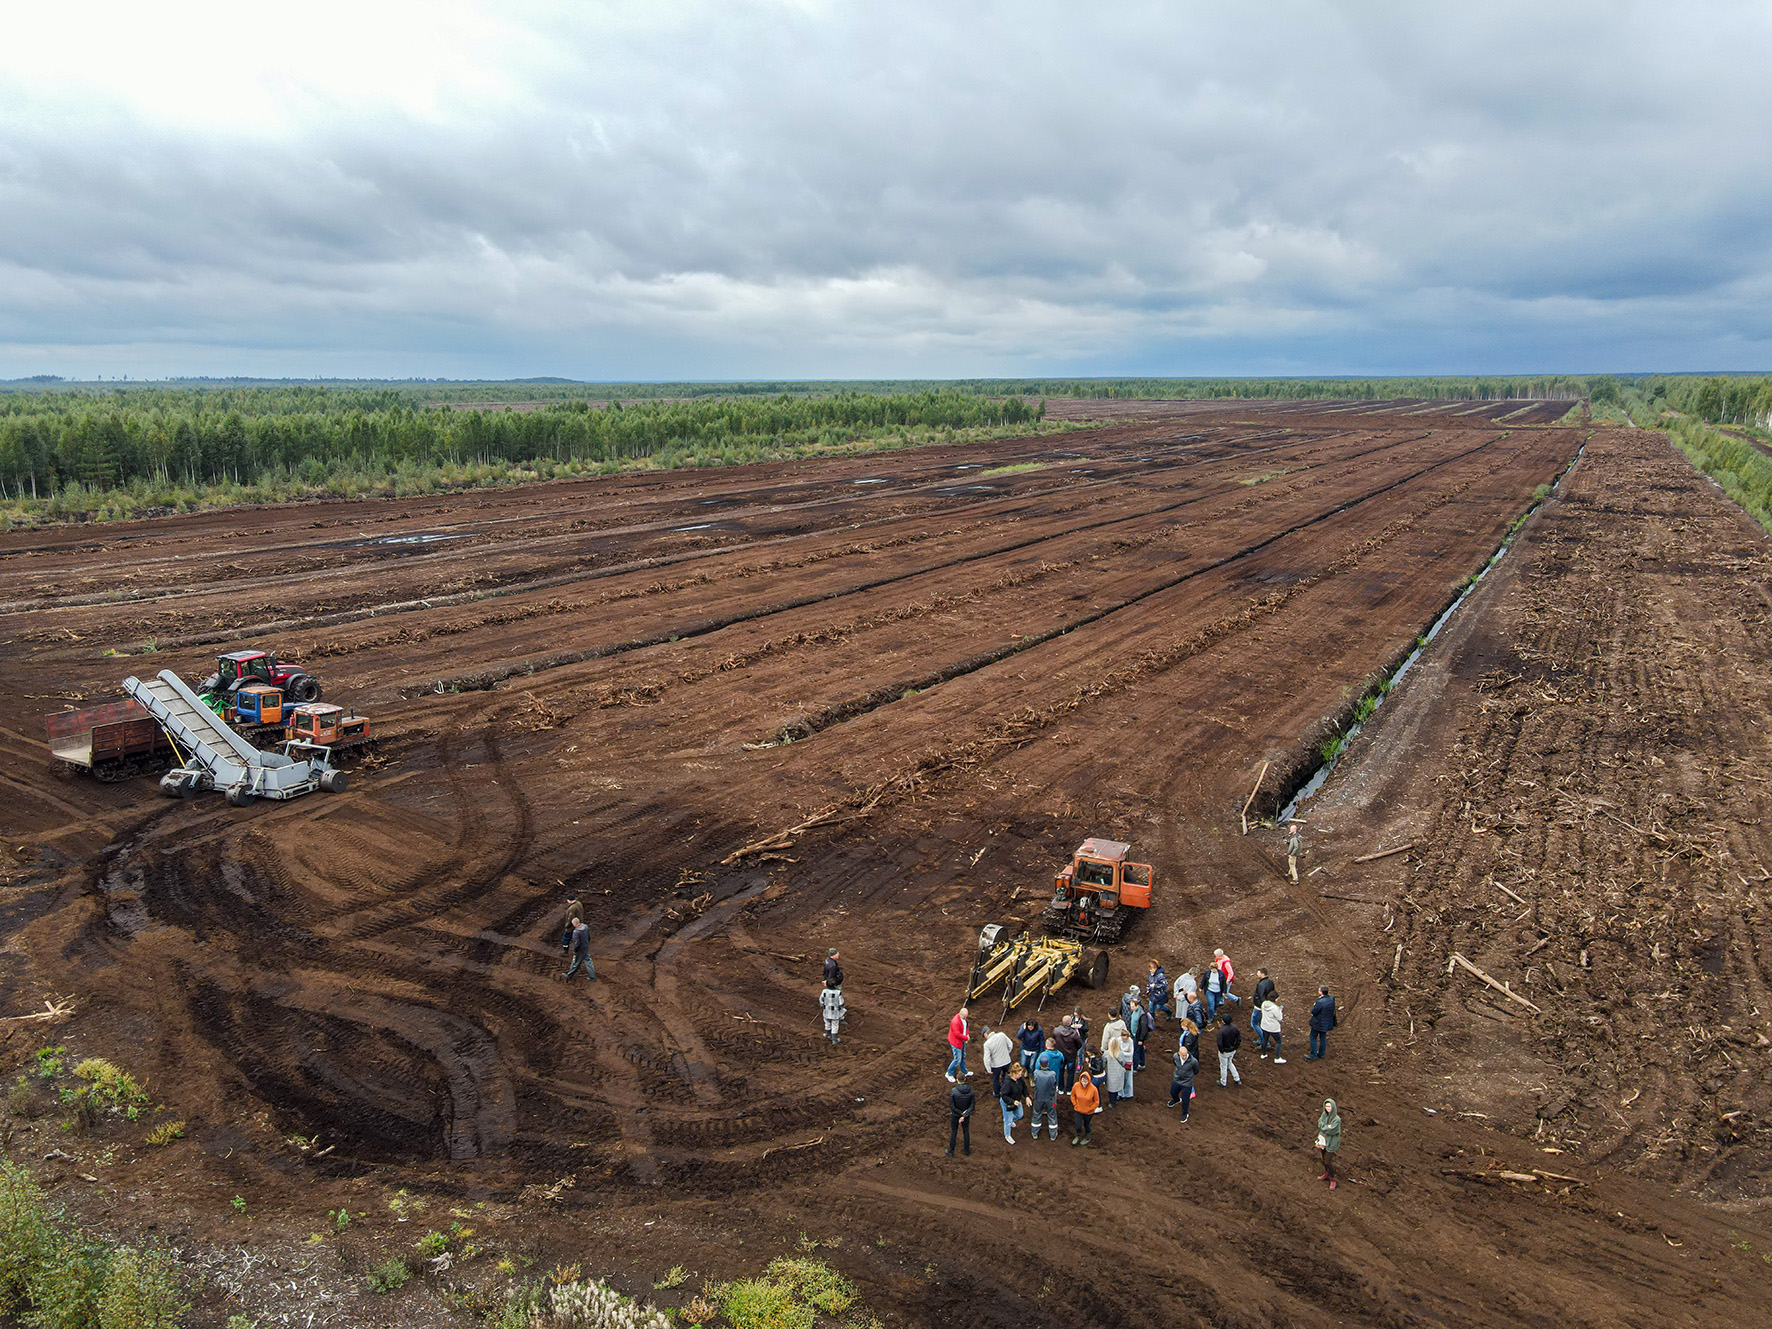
[{"x": 1028, "y": 964}]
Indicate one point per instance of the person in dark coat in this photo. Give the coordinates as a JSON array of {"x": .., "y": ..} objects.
[
  {"x": 1190, "y": 1037},
  {"x": 1230, "y": 1038},
  {"x": 581, "y": 953},
  {"x": 961, "y": 1101},
  {"x": 575, "y": 914},
  {"x": 1181, "y": 1088},
  {"x": 833, "y": 972},
  {"x": 1322, "y": 1021},
  {"x": 1070, "y": 1043},
  {"x": 1264, "y": 991},
  {"x": 1033, "y": 1043}
]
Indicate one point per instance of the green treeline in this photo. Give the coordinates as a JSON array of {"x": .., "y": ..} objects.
[
  {"x": 242, "y": 436},
  {"x": 108, "y": 450},
  {"x": 1734, "y": 455}
]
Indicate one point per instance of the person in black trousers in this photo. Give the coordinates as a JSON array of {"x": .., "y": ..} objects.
[
  {"x": 1322, "y": 1021},
  {"x": 1181, "y": 1088},
  {"x": 960, "y": 1104}
]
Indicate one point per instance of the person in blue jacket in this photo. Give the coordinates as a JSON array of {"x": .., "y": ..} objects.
[
  {"x": 1033, "y": 1043},
  {"x": 1322, "y": 1021}
]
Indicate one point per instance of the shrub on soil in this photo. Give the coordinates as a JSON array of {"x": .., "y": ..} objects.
[
  {"x": 69, "y": 1282},
  {"x": 390, "y": 1275}
]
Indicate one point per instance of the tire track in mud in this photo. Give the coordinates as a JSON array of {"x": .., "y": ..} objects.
[{"x": 487, "y": 679}]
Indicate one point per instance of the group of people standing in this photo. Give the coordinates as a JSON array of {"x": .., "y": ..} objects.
[{"x": 1035, "y": 1072}]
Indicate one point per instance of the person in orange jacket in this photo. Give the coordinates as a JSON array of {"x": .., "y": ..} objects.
[{"x": 1085, "y": 1103}]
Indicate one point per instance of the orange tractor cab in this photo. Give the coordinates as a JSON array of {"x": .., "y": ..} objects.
[
  {"x": 325, "y": 726},
  {"x": 1098, "y": 893}
]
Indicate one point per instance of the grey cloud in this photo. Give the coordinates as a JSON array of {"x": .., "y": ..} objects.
[{"x": 936, "y": 188}]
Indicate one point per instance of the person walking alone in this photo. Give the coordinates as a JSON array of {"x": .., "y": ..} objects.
[
  {"x": 1014, "y": 1098},
  {"x": 1294, "y": 847},
  {"x": 1329, "y": 1139},
  {"x": 958, "y": 1035},
  {"x": 1085, "y": 1103},
  {"x": 581, "y": 953},
  {"x": 961, "y": 1101},
  {"x": 1230, "y": 1038},
  {"x": 1322, "y": 1021}
]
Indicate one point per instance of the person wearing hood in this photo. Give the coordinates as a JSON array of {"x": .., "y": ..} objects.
[
  {"x": 1322, "y": 1021},
  {"x": 1045, "y": 1081},
  {"x": 1085, "y": 1103},
  {"x": 1271, "y": 1013},
  {"x": 1329, "y": 1139},
  {"x": 961, "y": 1101}
]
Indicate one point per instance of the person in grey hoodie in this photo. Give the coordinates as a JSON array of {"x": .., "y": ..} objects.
[{"x": 1045, "y": 1098}]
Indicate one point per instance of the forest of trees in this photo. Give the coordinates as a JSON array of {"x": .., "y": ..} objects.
[
  {"x": 198, "y": 437},
  {"x": 73, "y": 448}
]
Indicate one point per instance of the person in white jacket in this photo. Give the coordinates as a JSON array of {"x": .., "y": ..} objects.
[
  {"x": 999, "y": 1051},
  {"x": 1270, "y": 1027},
  {"x": 1116, "y": 1056}
]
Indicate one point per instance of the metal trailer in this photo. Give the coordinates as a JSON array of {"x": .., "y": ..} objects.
[
  {"x": 113, "y": 741},
  {"x": 215, "y": 757}
]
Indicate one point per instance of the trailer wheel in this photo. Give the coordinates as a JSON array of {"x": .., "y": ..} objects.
[
  {"x": 172, "y": 785},
  {"x": 240, "y": 796},
  {"x": 1097, "y": 972},
  {"x": 333, "y": 782}
]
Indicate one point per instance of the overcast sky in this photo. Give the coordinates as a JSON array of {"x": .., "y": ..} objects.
[{"x": 730, "y": 189}]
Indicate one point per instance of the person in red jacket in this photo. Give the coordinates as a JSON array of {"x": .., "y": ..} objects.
[{"x": 958, "y": 1034}]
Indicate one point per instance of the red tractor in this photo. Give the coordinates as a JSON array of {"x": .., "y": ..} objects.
[{"x": 239, "y": 668}]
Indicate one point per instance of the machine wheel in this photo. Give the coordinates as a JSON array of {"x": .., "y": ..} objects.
[
  {"x": 173, "y": 785},
  {"x": 304, "y": 688},
  {"x": 333, "y": 782},
  {"x": 1097, "y": 972},
  {"x": 240, "y": 796}
]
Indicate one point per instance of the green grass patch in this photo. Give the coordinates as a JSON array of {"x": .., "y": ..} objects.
[{"x": 1017, "y": 468}]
